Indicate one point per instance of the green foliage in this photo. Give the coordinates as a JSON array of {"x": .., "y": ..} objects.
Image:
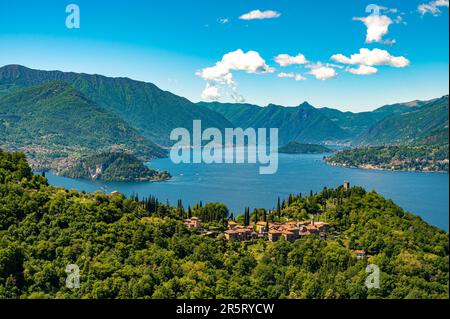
[
  {"x": 54, "y": 120},
  {"x": 154, "y": 113},
  {"x": 302, "y": 123},
  {"x": 130, "y": 248},
  {"x": 299, "y": 148},
  {"x": 145, "y": 107},
  {"x": 211, "y": 212},
  {"x": 417, "y": 158},
  {"x": 112, "y": 167},
  {"x": 427, "y": 124}
]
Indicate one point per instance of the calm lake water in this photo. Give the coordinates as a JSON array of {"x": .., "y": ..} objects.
[{"x": 240, "y": 185}]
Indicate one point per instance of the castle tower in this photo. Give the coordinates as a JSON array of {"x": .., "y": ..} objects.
[{"x": 346, "y": 185}]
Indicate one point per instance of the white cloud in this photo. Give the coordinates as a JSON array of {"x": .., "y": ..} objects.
[
  {"x": 211, "y": 92},
  {"x": 371, "y": 58},
  {"x": 286, "y": 59},
  {"x": 377, "y": 27},
  {"x": 259, "y": 15},
  {"x": 322, "y": 72},
  {"x": 218, "y": 73},
  {"x": 221, "y": 72},
  {"x": 250, "y": 62},
  {"x": 296, "y": 76},
  {"x": 363, "y": 70},
  {"x": 432, "y": 7}
]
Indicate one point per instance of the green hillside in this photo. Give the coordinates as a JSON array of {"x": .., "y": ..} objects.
[
  {"x": 357, "y": 123},
  {"x": 430, "y": 158},
  {"x": 112, "y": 167},
  {"x": 353, "y": 123},
  {"x": 307, "y": 124},
  {"x": 399, "y": 108},
  {"x": 299, "y": 148},
  {"x": 53, "y": 120},
  {"x": 129, "y": 248},
  {"x": 426, "y": 124},
  {"x": 303, "y": 123},
  {"x": 152, "y": 111}
]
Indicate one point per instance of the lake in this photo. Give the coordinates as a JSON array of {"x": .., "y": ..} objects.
[{"x": 240, "y": 185}]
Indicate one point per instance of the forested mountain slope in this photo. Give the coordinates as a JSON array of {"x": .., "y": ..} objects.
[
  {"x": 152, "y": 111},
  {"x": 54, "y": 120},
  {"x": 127, "y": 248}
]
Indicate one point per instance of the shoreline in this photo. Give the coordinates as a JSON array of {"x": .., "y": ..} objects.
[{"x": 376, "y": 168}]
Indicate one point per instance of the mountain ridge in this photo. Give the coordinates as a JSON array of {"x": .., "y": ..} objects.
[
  {"x": 152, "y": 111},
  {"x": 53, "y": 120},
  {"x": 428, "y": 122},
  {"x": 346, "y": 127},
  {"x": 302, "y": 123}
]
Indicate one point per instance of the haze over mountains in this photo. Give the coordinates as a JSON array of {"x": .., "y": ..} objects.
[{"x": 61, "y": 110}]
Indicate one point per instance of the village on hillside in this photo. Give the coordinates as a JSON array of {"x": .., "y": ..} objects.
[
  {"x": 271, "y": 231},
  {"x": 291, "y": 230}
]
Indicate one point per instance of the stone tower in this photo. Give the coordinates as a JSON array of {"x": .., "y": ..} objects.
[{"x": 346, "y": 185}]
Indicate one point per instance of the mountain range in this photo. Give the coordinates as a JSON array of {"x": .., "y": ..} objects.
[
  {"x": 152, "y": 111},
  {"x": 54, "y": 111},
  {"x": 389, "y": 124},
  {"x": 55, "y": 120},
  {"x": 423, "y": 124},
  {"x": 303, "y": 123}
]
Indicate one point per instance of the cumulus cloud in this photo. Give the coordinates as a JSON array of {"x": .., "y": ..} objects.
[
  {"x": 211, "y": 92},
  {"x": 371, "y": 58},
  {"x": 296, "y": 76},
  {"x": 260, "y": 15},
  {"x": 432, "y": 7},
  {"x": 377, "y": 27},
  {"x": 363, "y": 70},
  {"x": 221, "y": 72},
  {"x": 286, "y": 59},
  {"x": 250, "y": 62},
  {"x": 322, "y": 72}
]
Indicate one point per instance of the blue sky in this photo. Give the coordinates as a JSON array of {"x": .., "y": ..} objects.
[{"x": 170, "y": 42}]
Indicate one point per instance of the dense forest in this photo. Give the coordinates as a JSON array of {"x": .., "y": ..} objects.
[
  {"x": 426, "y": 125},
  {"x": 52, "y": 122},
  {"x": 139, "y": 248},
  {"x": 112, "y": 166},
  {"x": 152, "y": 112},
  {"x": 407, "y": 158},
  {"x": 300, "y": 148}
]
